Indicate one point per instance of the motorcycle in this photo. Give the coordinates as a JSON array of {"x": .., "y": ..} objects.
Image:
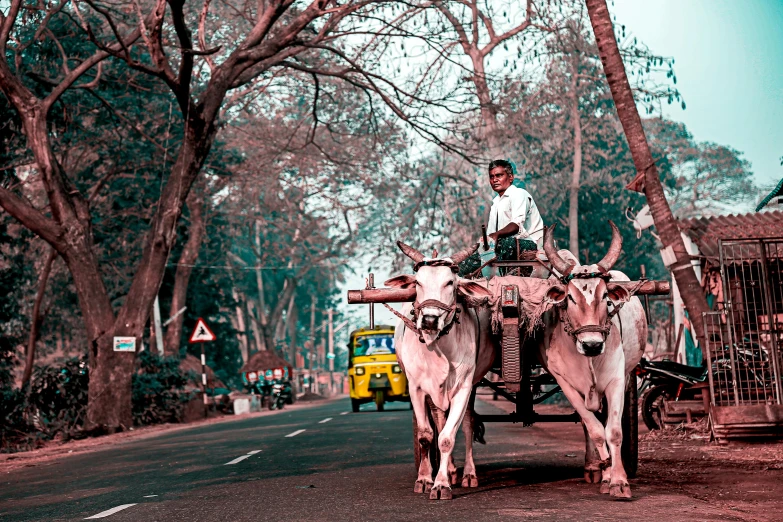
[
  {"x": 280, "y": 395},
  {"x": 666, "y": 380},
  {"x": 671, "y": 381}
]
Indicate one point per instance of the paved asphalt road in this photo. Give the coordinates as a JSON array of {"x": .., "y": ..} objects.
[{"x": 297, "y": 465}]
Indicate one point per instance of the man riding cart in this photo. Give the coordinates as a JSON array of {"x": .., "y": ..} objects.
[{"x": 514, "y": 230}]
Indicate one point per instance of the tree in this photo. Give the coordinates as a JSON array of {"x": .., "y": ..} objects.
[
  {"x": 275, "y": 38},
  {"x": 476, "y": 32},
  {"x": 702, "y": 178},
  {"x": 647, "y": 179}
]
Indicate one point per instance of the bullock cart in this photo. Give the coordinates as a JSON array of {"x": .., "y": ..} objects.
[{"x": 520, "y": 377}]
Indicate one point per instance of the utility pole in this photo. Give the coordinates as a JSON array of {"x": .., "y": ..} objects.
[
  {"x": 330, "y": 314},
  {"x": 312, "y": 350},
  {"x": 157, "y": 327},
  {"x": 331, "y": 340}
]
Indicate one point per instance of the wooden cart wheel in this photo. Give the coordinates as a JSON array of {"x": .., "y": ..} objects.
[{"x": 630, "y": 424}]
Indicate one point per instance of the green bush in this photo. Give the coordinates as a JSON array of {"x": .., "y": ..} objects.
[
  {"x": 159, "y": 390},
  {"x": 58, "y": 398},
  {"x": 54, "y": 407}
]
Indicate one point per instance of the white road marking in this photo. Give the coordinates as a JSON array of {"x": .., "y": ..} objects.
[
  {"x": 345, "y": 413},
  {"x": 327, "y": 419},
  {"x": 150, "y": 496},
  {"x": 240, "y": 459},
  {"x": 104, "y": 514},
  {"x": 236, "y": 460},
  {"x": 294, "y": 434}
]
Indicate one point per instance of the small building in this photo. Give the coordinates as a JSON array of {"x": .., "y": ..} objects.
[
  {"x": 266, "y": 364},
  {"x": 740, "y": 263}
]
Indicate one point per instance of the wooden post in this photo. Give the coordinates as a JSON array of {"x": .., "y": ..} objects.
[
  {"x": 646, "y": 297},
  {"x": 403, "y": 295},
  {"x": 371, "y": 284},
  {"x": 204, "y": 381}
]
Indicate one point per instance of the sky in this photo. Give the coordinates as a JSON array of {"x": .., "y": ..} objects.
[{"x": 729, "y": 67}]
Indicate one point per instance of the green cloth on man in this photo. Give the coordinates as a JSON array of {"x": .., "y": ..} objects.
[{"x": 505, "y": 250}]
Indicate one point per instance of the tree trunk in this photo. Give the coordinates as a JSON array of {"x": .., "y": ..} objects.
[
  {"x": 240, "y": 328},
  {"x": 488, "y": 111},
  {"x": 292, "y": 317},
  {"x": 109, "y": 398},
  {"x": 254, "y": 325},
  {"x": 36, "y": 319},
  {"x": 109, "y": 402},
  {"x": 269, "y": 330},
  {"x": 309, "y": 361},
  {"x": 260, "y": 279},
  {"x": 196, "y": 203},
  {"x": 665, "y": 223},
  {"x": 576, "y": 173}
]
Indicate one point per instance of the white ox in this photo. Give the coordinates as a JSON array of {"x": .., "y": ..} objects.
[
  {"x": 591, "y": 349},
  {"x": 444, "y": 351}
]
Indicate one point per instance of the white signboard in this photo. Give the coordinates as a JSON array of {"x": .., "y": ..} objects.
[{"x": 125, "y": 344}]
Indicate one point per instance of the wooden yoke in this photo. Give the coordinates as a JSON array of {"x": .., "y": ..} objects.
[{"x": 407, "y": 295}]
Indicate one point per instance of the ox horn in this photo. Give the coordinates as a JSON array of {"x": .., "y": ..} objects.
[
  {"x": 463, "y": 254},
  {"x": 558, "y": 263},
  {"x": 410, "y": 252},
  {"x": 615, "y": 248}
]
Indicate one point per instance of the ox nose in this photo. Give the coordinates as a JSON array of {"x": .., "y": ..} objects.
[
  {"x": 591, "y": 349},
  {"x": 429, "y": 322}
]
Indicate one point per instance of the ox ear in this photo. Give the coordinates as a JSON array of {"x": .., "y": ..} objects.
[
  {"x": 618, "y": 293},
  {"x": 472, "y": 289},
  {"x": 556, "y": 293},
  {"x": 401, "y": 281}
]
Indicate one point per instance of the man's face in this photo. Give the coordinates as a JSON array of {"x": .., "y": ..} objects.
[{"x": 500, "y": 180}]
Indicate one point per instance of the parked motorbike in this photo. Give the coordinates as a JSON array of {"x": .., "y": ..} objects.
[
  {"x": 666, "y": 380},
  {"x": 671, "y": 381},
  {"x": 280, "y": 395}
]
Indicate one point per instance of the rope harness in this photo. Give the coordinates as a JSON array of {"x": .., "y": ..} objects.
[
  {"x": 451, "y": 310},
  {"x": 604, "y": 328}
]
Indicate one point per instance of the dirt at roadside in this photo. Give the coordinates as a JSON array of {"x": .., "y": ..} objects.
[{"x": 741, "y": 479}]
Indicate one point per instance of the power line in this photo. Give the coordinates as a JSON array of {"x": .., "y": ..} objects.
[{"x": 226, "y": 267}]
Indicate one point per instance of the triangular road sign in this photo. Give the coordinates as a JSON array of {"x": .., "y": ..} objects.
[{"x": 202, "y": 333}]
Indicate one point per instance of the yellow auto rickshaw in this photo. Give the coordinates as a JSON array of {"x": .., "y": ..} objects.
[{"x": 373, "y": 371}]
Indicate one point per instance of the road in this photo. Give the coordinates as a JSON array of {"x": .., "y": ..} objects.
[{"x": 323, "y": 463}]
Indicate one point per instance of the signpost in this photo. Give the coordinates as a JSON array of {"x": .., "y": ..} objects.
[{"x": 202, "y": 334}]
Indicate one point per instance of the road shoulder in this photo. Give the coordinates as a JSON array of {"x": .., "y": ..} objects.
[{"x": 58, "y": 450}]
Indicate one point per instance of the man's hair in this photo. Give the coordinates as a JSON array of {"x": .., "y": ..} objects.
[{"x": 502, "y": 163}]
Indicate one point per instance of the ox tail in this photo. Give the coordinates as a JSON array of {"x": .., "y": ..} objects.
[{"x": 478, "y": 430}]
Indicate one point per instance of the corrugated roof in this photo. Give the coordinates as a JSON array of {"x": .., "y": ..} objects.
[
  {"x": 264, "y": 360},
  {"x": 776, "y": 192},
  {"x": 706, "y": 231}
]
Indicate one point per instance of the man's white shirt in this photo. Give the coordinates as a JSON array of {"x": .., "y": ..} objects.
[{"x": 516, "y": 205}]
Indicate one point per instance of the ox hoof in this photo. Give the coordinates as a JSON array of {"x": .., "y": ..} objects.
[
  {"x": 440, "y": 492},
  {"x": 453, "y": 477},
  {"x": 620, "y": 491},
  {"x": 605, "y": 488},
  {"x": 593, "y": 476},
  {"x": 422, "y": 486},
  {"x": 469, "y": 481}
]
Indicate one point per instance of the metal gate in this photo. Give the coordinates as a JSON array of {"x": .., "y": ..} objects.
[{"x": 745, "y": 340}]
